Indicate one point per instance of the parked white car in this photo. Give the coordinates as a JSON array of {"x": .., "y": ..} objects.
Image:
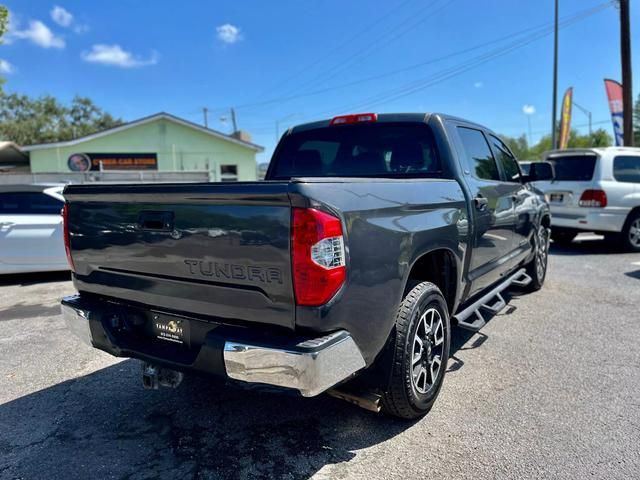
[
  {"x": 595, "y": 190},
  {"x": 31, "y": 236}
]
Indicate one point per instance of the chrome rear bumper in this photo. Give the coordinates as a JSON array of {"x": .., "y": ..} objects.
[{"x": 311, "y": 367}]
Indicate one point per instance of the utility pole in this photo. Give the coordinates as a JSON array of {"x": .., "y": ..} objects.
[
  {"x": 233, "y": 120},
  {"x": 555, "y": 77},
  {"x": 205, "y": 111},
  {"x": 625, "y": 54}
]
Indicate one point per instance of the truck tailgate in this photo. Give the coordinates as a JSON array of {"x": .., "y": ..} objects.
[{"x": 206, "y": 249}]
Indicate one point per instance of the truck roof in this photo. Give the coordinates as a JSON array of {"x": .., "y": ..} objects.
[{"x": 419, "y": 117}]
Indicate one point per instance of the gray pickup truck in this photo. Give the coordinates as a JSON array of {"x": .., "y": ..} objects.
[{"x": 371, "y": 237}]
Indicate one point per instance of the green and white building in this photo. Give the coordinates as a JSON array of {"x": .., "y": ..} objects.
[{"x": 161, "y": 147}]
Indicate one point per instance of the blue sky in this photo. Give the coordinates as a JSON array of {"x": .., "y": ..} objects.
[{"x": 295, "y": 61}]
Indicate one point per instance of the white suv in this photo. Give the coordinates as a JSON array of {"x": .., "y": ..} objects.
[{"x": 595, "y": 190}]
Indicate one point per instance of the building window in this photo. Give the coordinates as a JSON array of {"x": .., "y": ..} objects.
[{"x": 228, "y": 173}]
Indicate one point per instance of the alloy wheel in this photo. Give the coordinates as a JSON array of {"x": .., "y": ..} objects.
[
  {"x": 427, "y": 351},
  {"x": 634, "y": 233},
  {"x": 542, "y": 251}
]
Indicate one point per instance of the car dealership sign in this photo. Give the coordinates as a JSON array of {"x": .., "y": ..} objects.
[{"x": 84, "y": 162}]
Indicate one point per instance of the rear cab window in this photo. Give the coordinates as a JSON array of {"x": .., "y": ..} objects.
[
  {"x": 626, "y": 168},
  {"x": 574, "y": 168},
  {"x": 29, "y": 203},
  {"x": 385, "y": 150}
]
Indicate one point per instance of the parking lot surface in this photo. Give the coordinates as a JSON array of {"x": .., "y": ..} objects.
[{"x": 550, "y": 388}]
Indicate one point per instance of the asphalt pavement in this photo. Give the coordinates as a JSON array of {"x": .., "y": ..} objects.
[{"x": 550, "y": 388}]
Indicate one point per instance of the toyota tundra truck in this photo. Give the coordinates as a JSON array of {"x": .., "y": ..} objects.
[{"x": 370, "y": 238}]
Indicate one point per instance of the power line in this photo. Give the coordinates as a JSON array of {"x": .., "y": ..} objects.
[
  {"x": 542, "y": 28},
  {"x": 337, "y": 48},
  {"x": 399, "y": 30},
  {"x": 439, "y": 77}
]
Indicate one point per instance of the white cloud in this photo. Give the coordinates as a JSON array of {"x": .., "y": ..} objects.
[
  {"x": 6, "y": 67},
  {"x": 38, "y": 33},
  {"x": 61, "y": 16},
  {"x": 228, "y": 33},
  {"x": 115, "y": 56},
  {"x": 478, "y": 84},
  {"x": 528, "y": 109}
]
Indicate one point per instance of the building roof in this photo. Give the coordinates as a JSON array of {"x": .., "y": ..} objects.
[
  {"x": 12, "y": 147},
  {"x": 142, "y": 121},
  {"x": 12, "y": 158}
]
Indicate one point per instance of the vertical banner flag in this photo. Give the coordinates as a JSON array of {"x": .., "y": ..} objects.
[
  {"x": 565, "y": 119},
  {"x": 614, "y": 94}
]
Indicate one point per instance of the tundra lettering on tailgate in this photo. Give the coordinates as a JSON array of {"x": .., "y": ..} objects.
[{"x": 233, "y": 271}]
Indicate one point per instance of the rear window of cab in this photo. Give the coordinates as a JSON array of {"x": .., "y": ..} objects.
[{"x": 365, "y": 150}]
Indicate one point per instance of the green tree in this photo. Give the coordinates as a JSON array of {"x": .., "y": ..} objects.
[
  {"x": 4, "y": 21},
  {"x": 4, "y": 24},
  {"x": 598, "y": 138},
  {"x": 518, "y": 145},
  {"x": 29, "y": 121}
]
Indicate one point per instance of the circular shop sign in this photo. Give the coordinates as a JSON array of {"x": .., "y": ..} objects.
[{"x": 79, "y": 162}]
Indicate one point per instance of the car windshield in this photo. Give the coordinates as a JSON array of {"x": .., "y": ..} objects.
[
  {"x": 573, "y": 167},
  {"x": 366, "y": 150}
]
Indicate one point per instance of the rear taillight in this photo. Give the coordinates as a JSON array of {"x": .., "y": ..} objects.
[
  {"x": 354, "y": 118},
  {"x": 67, "y": 246},
  {"x": 318, "y": 256},
  {"x": 593, "y": 198}
]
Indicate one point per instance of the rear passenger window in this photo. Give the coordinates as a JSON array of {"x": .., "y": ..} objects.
[
  {"x": 30, "y": 203},
  {"x": 478, "y": 154},
  {"x": 626, "y": 169},
  {"x": 389, "y": 150},
  {"x": 507, "y": 161}
]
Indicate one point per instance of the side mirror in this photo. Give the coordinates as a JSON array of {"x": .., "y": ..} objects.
[{"x": 540, "y": 171}]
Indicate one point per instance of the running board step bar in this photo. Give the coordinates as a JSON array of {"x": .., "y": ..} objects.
[{"x": 493, "y": 302}]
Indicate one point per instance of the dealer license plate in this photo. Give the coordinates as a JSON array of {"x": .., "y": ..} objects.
[{"x": 170, "y": 329}]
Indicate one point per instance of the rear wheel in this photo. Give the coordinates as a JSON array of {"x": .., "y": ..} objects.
[
  {"x": 537, "y": 267},
  {"x": 420, "y": 354},
  {"x": 562, "y": 237},
  {"x": 630, "y": 237}
]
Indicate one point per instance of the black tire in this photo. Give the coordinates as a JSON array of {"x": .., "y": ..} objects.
[
  {"x": 537, "y": 267},
  {"x": 409, "y": 393},
  {"x": 630, "y": 236},
  {"x": 562, "y": 237}
]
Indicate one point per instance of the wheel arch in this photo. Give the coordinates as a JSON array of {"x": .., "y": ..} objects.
[
  {"x": 634, "y": 211},
  {"x": 440, "y": 267}
]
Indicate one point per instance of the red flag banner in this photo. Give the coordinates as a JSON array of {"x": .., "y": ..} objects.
[
  {"x": 614, "y": 94},
  {"x": 565, "y": 119}
]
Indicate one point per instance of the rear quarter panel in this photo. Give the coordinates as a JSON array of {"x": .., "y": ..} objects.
[{"x": 389, "y": 225}]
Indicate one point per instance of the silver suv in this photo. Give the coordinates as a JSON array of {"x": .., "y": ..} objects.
[{"x": 595, "y": 190}]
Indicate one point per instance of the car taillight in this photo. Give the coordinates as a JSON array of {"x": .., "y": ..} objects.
[
  {"x": 318, "y": 256},
  {"x": 67, "y": 245},
  {"x": 354, "y": 118},
  {"x": 593, "y": 198}
]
